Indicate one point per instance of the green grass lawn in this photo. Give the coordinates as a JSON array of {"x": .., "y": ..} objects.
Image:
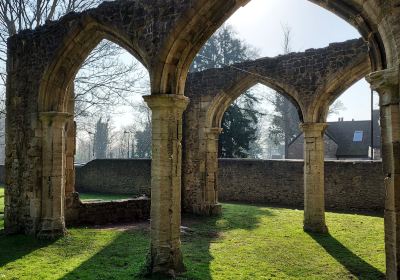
[
  {"x": 1, "y": 207},
  {"x": 101, "y": 196},
  {"x": 246, "y": 242},
  {"x": 1, "y": 200}
]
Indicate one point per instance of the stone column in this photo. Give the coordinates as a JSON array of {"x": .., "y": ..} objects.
[
  {"x": 165, "y": 255},
  {"x": 70, "y": 150},
  {"x": 210, "y": 191},
  {"x": 314, "y": 200},
  {"x": 72, "y": 202},
  {"x": 386, "y": 82},
  {"x": 53, "y": 174}
]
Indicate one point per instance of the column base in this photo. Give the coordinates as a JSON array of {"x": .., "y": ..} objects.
[
  {"x": 52, "y": 229},
  {"x": 166, "y": 264},
  {"x": 315, "y": 228},
  {"x": 72, "y": 207},
  {"x": 209, "y": 210}
]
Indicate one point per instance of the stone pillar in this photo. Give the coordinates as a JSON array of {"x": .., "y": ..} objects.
[
  {"x": 314, "y": 200},
  {"x": 165, "y": 255},
  {"x": 52, "y": 222},
  {"x": 210, "y": 191},
  {"x": 70, "y": 150},
  {"x": 72, "y": 202},
  {"x": 386, "y": 82}
]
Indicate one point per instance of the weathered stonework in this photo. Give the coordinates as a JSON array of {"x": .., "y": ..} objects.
[
  {"x": 314, "y": 190},
  {"x": 166, "y": 256},
  {"x": 303, "y": 77},
  {"x": 349, "y": 185},
  {"x": 120, "y": 176},
  {"x": 108, "y": 212},
  {"x": 165, "y": 36},
  {"x": 387, "y": 83}
]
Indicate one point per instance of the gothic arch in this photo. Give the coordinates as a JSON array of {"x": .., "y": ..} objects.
[
  {"x": 189, "y": 35},
  {"x": 335, "y": 86},
  {"x": 196, "y": 31},
  {"x": 67, "y": 60},
  {"x": 224, "y": 99}
]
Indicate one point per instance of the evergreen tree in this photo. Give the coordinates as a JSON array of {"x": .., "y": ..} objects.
[
  {"x": 223, "y": 48},
  {"x": 143, "y": 142},
  {"x": 285, "y": 122},
  {"x": 240, "y": 121}
]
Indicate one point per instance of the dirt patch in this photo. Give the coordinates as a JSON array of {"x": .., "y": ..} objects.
[{"x": 124, "y": 226}]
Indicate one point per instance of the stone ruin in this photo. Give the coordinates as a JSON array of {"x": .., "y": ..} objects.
[{"x": 165, "y": 36}]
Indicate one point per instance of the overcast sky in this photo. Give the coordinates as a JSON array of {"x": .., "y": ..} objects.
[{"x": 260, "y": 22}]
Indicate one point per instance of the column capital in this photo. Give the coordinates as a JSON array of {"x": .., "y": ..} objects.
[
  {"x": 313, "y": 129},
  {"x": 166, "y": 101},
  {"x": 54, "y": 118},
  {"x": 213, "y": 130},
  {"x": 384, "y": 79}
]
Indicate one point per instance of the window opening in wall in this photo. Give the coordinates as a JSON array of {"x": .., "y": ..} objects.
[{"x": 358, "y": 136}]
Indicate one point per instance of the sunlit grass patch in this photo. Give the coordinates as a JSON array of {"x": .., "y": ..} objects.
[{"x": 246, "y": 242}]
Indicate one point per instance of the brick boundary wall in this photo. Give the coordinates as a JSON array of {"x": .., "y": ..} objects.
[{"x": 349, "y": 185}]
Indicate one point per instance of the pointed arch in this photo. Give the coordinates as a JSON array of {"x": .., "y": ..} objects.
[
  {"x": 224, "y": 99},
  {"x": 69, "y": 57},
  {"x": 335, "y": 86}
]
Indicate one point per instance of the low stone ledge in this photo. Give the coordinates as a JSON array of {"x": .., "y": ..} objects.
[{"x": 109, "y": 212}]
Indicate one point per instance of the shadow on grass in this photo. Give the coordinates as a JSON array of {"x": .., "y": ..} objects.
[
  {"x": 14, "y": 247},
  {"x": 125, "y": 256},
  {"x": 353, "y": 263},
  {"x": 205, "y": 231}
]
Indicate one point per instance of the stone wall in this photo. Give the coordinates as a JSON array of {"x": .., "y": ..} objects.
[
  {"x": 121, "y": 176},
  {"x": 315, "y": 75},
  {"x": 349, "y": 185},
  {"x": 2, "y": 175},
  {"x": 108, "y": 212}
]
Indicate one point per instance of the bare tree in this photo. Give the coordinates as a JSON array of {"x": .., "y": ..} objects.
[
  {"x": 17, "y": 15},
  {"x": 103, "y": 79},
  {"x": 108, "y": 78},
  {"x": 285, "y": 119},
  {"x": 336, "y": 108}
]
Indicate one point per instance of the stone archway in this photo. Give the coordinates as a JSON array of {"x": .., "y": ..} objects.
[
  {"x": 56, "y": 112},
  {"x": 212, "y": 91},
  {"x": 166, "y": 43}
]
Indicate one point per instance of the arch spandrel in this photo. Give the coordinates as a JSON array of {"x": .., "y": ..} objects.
[
  {"x": 143, "y": 28},
  {"x": 225, "y": 98},
  {"x": 354, "y": 68},
  {"x": 185, "y": 42},
  {"x": 197, "y": 23},
  {"x": 68, "y": 59},
  {"x": 308, "y": 79}
]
